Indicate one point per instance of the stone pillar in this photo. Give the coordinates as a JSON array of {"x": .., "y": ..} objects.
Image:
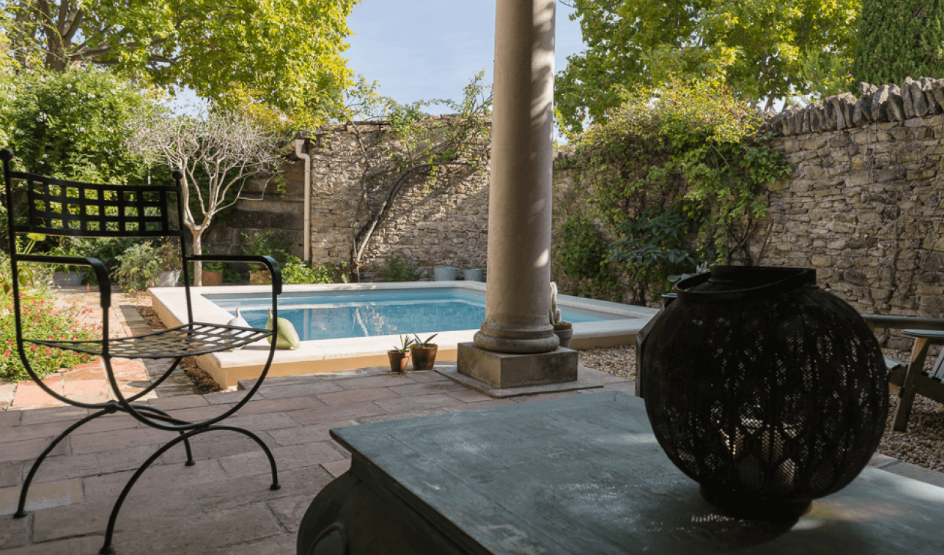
[{"x": 519, "y": 219}]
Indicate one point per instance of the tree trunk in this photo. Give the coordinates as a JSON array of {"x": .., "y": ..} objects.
[{"x": 197, "y": 250}]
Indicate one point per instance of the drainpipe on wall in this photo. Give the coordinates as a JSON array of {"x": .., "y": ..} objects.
[{"x": 299, "y": 143}]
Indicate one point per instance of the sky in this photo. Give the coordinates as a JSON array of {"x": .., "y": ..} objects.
[{"x": 425, "y": 49}]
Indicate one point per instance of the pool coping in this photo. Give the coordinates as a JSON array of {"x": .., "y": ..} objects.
[{"x": 330, "y": 355}]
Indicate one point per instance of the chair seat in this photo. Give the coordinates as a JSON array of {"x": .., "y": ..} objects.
[{"x": 183, "y": 341}]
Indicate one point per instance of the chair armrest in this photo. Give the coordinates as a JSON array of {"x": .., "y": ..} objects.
[
  {"x": 101, "y": 273},
  {"x": 903, "y": 322},
  {"x": 270, "y": 263}
]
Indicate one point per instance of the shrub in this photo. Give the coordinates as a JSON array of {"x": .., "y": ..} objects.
[
  {"x": 267, "y": 243},
  {"x": 677, "y": 172},
  {"x": 41, "y": 319},
  {"x": 899, "y": 39},
  {"x": 71, "y": 125},
  {"x": 396, "y": 268},
  {"x": 139, "y": 266},
  {"x": 297, "y": 271}
]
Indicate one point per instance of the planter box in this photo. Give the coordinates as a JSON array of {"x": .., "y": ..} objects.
[
  {"x": 212, "y": 278},
  {"x": 260, "y": 277},
  {"x": 445, "y": 273}
]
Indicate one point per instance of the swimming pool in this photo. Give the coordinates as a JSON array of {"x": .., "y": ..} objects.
[
  {"x": 597, "y": 323},
  {"x": 340, "y": 314}
]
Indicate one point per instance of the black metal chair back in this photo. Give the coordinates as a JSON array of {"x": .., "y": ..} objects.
[{"x": 68, "y": 208}]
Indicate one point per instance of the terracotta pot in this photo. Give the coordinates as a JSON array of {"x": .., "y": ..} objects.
[
  {"x": 211, "y": 278},
  {"x": 424, "y": 358},
  {"x": 564, "y": 332},
  {"x": 398, "y": 360},
  {"x": 260, "y": 277}
]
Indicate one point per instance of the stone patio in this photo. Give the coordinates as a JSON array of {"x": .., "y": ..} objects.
[{"x": 222, "y": 505}]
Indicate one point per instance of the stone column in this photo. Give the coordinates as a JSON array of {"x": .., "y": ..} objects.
[{"x": 519, "y": 218}]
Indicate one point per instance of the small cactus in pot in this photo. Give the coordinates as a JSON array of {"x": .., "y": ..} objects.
[{"x": 563, "y": 330}]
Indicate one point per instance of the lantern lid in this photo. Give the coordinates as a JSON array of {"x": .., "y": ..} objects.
[{"x": 743, "y": 283}]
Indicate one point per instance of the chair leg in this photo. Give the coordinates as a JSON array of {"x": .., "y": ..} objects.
[
  {"x": 24, "y": 491},
  {"x": 108, "y": 549},
  {"x": 906, "y": 394},
  {"x": 190, "y": 461}
]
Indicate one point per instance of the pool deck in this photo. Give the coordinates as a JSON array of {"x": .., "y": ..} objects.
[{"x": 314, "y": 357}]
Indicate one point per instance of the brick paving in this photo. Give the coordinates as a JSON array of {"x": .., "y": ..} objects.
[{"x": 223, "y": 504}]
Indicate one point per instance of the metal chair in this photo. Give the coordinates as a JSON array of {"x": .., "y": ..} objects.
[
  {"x": 67, "y": 208},
  {"x": 910, "y": 379}
]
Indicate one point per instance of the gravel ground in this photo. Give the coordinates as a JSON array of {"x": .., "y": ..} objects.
[{"x": 922, "y": 444}]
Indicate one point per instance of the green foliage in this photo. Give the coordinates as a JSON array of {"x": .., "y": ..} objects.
[
  {"x": 42, "y": 319},
  {"x": 71, "y": 125},
  {"x": 138, "y": 267},
  {"x": 755, "y": 46},
  {"x": 396, "y": 268},
  {"x": 423, "y": 344},
  {"x": 297, "y": 271},
  {"x": 267, "y": 243},
  {"x": 582, "y": 253},
  {"x": 281, "y": 53},
  {"x": 106, "y": 249},
  {"x": 900, "y": 39},
  {"x": 675, "y": 172},
  {"x": 655, "y": 245},
  {"x": 406, "y": 343}
]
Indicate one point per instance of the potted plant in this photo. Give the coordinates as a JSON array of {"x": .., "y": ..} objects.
[
  {"x": 213, "y": 273},
  {"x": 400, "y": 355},
  {"x": 424, "y": 353},
  {"x": 563, "y": 330},
  {"x": 267, "y": 243},
  {"x": 169, "y": 256}
]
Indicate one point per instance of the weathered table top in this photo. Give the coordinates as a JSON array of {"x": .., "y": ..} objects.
[{"x": 584, "y": 475}]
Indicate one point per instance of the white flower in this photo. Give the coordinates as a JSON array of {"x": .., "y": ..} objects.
[{"x": 69, "y": 85}]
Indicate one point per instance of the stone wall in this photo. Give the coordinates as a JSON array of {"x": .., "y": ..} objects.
[
  {"x": 443, "y": 224},
  {"x": 279, "y": 212},
  {"x": 863, "y": 207}
]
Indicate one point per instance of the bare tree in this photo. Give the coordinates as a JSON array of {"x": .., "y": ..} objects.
[{"x": 225, "y": 148}]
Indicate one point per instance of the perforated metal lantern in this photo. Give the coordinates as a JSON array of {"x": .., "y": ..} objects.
[{"x": 765, "y": 389}]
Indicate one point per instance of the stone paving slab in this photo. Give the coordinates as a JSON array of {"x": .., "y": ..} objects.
[{"x": 223, "y": 504}]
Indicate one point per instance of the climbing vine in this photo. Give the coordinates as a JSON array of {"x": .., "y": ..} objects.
[
  {"x": 418, "y": 146},
  {"x": 675, "y": 175}
]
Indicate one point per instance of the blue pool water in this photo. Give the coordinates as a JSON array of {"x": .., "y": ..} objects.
[{"x": 341, "y": 314}]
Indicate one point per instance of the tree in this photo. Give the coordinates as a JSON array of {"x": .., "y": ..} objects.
[
  {"x": 761, "y": 48},
  {"x": 900, "y": 39},
  {"x": 421, "y": 147},
  {"x": 284, "y": 53},
  {"x": 71, "y": 125},
  {"x": 222, "y": 149}
]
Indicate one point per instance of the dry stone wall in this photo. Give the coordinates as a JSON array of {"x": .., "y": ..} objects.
[
  {"x": 863, "y": 202},
  {"x": 444, "y": 224},
  {"x": 441, "y": 224}
]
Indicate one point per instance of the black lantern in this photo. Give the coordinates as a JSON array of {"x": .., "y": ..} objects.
[{"x": 763, "y": 388}]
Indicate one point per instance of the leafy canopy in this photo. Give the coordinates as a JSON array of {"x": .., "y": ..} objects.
[
  {"x": 71, "y": 124},
  {"x": 675, "y": 174},
  {"x": 763, "y": 49},
  {"x": 900, "y": 39},
  {"x": 283, "y": 53}
]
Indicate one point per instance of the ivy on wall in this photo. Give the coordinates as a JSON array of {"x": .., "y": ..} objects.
[{"x": 675, "y": 176}]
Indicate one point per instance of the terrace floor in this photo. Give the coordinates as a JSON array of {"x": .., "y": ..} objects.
[{"x": 223, "y": 504}]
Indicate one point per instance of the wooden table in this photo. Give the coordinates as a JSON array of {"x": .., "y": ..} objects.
[{"x": 580, "y": 475}]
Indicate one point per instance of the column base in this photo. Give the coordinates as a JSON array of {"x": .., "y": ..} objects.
[{"x": 503, "y": 370}]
